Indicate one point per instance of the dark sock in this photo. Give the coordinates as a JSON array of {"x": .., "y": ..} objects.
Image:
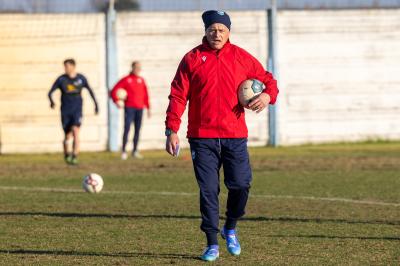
[
  {"x": 230, "y": 223},
  {"x": 212, "y": 239}
]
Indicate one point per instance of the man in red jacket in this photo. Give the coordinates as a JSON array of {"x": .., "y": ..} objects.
[
  {"x": 137, "y": 98},
  {"x": 208, "y": 78}
]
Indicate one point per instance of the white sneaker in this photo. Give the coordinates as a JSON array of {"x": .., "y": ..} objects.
[
  {"x": 137, "y": 155},
  {"x": 124, "y": 156}
]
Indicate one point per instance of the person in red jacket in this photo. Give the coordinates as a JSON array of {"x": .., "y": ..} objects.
[
  {"x": 208, "y": 78},
  {"x": 137, "y": 98}
]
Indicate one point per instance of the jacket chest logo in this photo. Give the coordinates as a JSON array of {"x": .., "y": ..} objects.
[
  {"x": 77, "y": 82},
  {"x": 204, "y": 58},
  {"x": 71, "y": 88}
]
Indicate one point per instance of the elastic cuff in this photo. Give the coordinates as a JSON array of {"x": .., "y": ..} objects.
[
  {"x": 212, "y": 239},
  {"x": 230, "y": 223}
]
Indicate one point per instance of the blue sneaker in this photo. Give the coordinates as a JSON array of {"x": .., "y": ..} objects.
[
  {"x": 211, "y": 253},
  {"x": 232, "y": 242}
]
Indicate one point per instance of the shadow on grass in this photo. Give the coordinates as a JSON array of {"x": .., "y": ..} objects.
[
  {"x": 98, "y": 254},
  {"x": 390, "y": 238},
  {"x": 196, "y": 217}
]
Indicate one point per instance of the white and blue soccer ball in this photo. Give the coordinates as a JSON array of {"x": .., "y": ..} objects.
[{"x": 248, "y": 90}]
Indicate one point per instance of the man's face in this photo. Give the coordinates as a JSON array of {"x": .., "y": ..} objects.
[
  {"x": 217, "y": 35},
  {"x": 136, "y": 68},
  {"x": 69, "y": 69}
]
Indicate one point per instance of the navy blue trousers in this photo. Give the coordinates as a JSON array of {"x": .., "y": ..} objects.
[
  {"x": 132, "y": 115},
  {"x": 208, "y": 156}
]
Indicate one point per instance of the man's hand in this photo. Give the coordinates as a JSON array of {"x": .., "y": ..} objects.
[
  {"x": 52, "y": 105},
  {"x": 260, "y": 102},
  {"x": 148, "y": 113},
  {"x": 172, "y": 143},
  {"x": 120, "y": 104}
]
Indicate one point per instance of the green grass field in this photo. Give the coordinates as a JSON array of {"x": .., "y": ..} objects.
[{"x": 310, "y": 205}]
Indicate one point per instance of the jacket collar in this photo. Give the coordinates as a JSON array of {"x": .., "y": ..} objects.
[
  {"x": 133, "y": 75},
  {"x": 207, "y": 47}
]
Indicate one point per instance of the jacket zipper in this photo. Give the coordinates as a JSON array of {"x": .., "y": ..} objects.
[{"x": 219, "y": 97}]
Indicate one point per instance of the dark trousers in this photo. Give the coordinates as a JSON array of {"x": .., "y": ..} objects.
[
  {"x": 132, "y": 115},
  {"x": 208, "y": 156},
  {"x": 70, "y": 119}
]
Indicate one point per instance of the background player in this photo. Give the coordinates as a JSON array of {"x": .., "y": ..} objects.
[
  {"x": 136, "y": 100},
  {"x": 71, "y": 84}
]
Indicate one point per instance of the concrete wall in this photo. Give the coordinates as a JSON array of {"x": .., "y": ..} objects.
[
  {"x": 32, "y": 48},
  {"x": 339, "y": 72},
  {"x": 160, "y": 40},
  {"x": 339, "y": 75}
]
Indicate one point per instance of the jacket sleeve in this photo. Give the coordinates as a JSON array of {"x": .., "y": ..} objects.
[
  {"x": 178, "y": 96},
  {"x": 56, "y": 85},
  {"x": 120, "y": 85},
  {"x": 90, "y": 90},
  {"x": 257, "y": 71},
  {"x": 146, "y": 96}
]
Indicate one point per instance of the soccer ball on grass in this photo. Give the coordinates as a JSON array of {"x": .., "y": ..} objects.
[{"x": 92, "y": 183}]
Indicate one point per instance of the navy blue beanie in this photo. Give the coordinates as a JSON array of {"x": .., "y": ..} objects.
[{"x": 213, "y": 16}]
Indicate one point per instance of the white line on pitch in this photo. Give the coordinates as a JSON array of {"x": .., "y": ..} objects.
[{"x": 169, "y": 193}]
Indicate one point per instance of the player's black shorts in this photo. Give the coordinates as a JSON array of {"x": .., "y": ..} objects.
[{"x": 71, "y": 119}]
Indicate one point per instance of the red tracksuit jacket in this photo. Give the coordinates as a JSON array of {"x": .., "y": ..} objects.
[
  {"x": 137, "y": 94},
  {"x": 209, "y": 80}
]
